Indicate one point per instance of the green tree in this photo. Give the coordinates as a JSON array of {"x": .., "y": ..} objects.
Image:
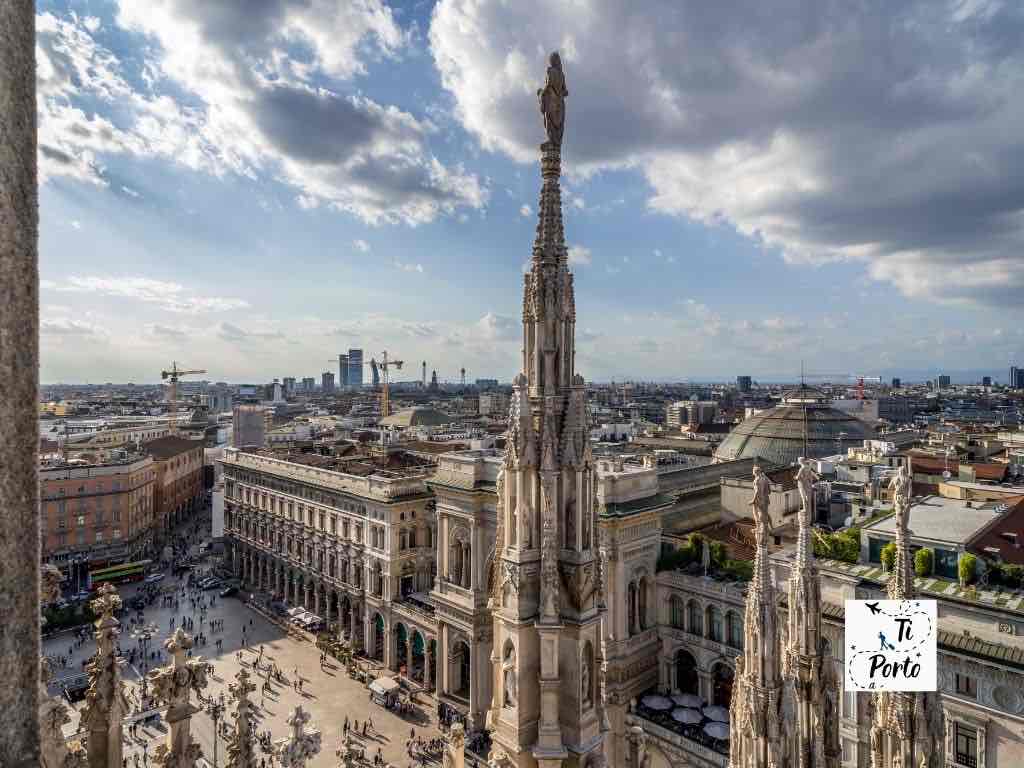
[
  {"x": 889, "y": 555},
  {"x": 967, "y": 568},
  {"x": 923, "y": 560}
]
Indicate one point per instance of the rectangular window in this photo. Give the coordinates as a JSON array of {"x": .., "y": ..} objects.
[
  {"x": 323, "y": 521},
  {"x": 81, "y": 520},
  {"x": 99, "y": 536},
  {"x": 116, "y": 534},
  {"x": 966, "y": 686},
  {"x": 334, "y": 525},
  {"x": 966, "y": 745}
]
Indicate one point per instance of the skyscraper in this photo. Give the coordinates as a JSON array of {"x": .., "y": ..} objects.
[
  {"x": 355, "y": 368},
  {"x": 374, "y": 373},
  {"x": 1016, "y": 377},
  {"x": 743, "y": 383},
  {"x": 342, "y": 371},
  {"x": 327, "y": 381},
  {"x": 547, "y": 702}
]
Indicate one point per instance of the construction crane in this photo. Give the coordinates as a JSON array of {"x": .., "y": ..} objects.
[
  {"x": 385, "y": 379},
  {"x": 172, "y": 390},
  {"x": 860, "y": 378}
]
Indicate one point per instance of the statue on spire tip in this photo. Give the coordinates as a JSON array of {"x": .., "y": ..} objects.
[{"x": 552, "y": 101}]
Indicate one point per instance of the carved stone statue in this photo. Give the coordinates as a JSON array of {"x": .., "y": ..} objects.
[
  {"x": 901, "y": 487},
  {"x": 105, "y": 702},
  {"x": 806, "y": 477},
  {"x": 172, "y": 685},
  {"x": 549, "y": 571},
  {"x": 760, "y": 502},
  {"x": 552, "y": 100},
  {"x": 586, "y": 683},
  {"x": 510, "y": 678},
  {"x": 301, "y": 745}
]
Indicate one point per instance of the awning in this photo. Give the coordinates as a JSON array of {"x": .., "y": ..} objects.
[{"x": 384, "y": 685}]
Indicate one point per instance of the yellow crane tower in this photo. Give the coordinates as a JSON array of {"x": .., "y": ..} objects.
[
  {"x": 172, "y": 390},
  {"x": 385, "y": 380}
]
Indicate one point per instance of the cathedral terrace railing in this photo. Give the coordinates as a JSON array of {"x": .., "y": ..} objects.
[{"x": 683, "y": 738}]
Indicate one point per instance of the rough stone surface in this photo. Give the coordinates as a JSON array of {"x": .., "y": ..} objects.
[{"x": 19, "y": 371}]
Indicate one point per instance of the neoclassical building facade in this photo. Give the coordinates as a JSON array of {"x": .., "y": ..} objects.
[{"x": 349, "y": 541}]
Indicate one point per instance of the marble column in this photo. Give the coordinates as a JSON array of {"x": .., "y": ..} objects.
[
  {"x": 408, "y": 654},
  {"x": 316, "y": 599},
  {"x": 428, "y": 681},
  {"x": 305, "y": 596},
  {"x": 389, "y": 646}
]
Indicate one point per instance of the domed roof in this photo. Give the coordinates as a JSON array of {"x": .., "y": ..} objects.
[
  {"x": 418, "y": 416},
  {"x": 777, "y": 435}
]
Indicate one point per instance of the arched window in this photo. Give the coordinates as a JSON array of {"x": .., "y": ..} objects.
[
  {"x": 644, "y": 587},
  {"x": 721, "y": 685},
  {"x": 734, "y": 630},
  {"x": 677, "y": 612},
  {"x": 686, "y": 673},
  {"x": 694, "y": 623},
  {"x": 714, "y": 624},
  {"x": 631, "y": 598}
]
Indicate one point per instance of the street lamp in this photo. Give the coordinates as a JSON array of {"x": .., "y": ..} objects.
[
  {"x": 215, "y": 709},
  {"x": 143, "y": 634}
]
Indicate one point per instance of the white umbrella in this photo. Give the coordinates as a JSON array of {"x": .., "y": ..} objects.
[
  {"x": 718, "y": 731},
  {"x": 688, "y": 700},
  {"x": 656, "y": 702},
  {"x": 685, "y": 715},
  {"x": 721, "y": 714}
]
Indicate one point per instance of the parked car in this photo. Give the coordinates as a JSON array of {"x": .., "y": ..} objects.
[
  {"x": 213, "y": 584},
  {"x": 154, "y": 578},
  {"x": 230, "y": 591}
]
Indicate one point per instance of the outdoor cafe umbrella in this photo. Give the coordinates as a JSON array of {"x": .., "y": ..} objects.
[
  {"x": 721, "y": 714},
  {"x": 688, "y": 700},
  {"x": 687, "y": 716},
  {"x": 718, "y": 731},
  {"x": 656, "y": 702}
]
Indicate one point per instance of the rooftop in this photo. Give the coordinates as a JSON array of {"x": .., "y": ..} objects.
[
  {"x": 418, "y": 416},
  {"x": 942, "y": 519},
  {"x": 169, "y": 447}
]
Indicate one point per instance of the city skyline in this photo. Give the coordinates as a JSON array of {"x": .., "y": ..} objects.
[{"x": 373, "y": 162}]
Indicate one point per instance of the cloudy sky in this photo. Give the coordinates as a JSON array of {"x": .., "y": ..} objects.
[{"x": 252, "y": 187}]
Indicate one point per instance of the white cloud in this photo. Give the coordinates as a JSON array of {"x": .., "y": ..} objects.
[
  {"x": 579, "y": 255},
  {"x": 270, "y": 99},
  {"x": 172, "y": 297},
  {"x": 129, "y": 191},
  {"x": 63, "y": 326},
  {"x": 496, "y": 327},
  {"x": 525, "y": 210},
  {"x": 76, "y": 224},
  {"x": 361, "y": 245},
  {"x": 409, "y": 267},
  {"x": 307, "y": 202},
  {"x": 888, "y": 137},
  {"x": 578, "y": 202}
]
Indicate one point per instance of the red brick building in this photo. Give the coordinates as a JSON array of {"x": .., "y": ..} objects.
[{"x": 178, "y": 489}]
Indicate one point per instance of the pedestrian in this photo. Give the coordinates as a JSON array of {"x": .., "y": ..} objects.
[{"x": 371, "y": 723}]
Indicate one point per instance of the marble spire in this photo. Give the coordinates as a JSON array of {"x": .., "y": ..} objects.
[
  {"x": 907, "y": 728},
  {"x": 241, "y": 751},
  {"x": 815, "y": 738},
  {"x": 756, "y": 739},
  {"x": 105, "y": 702},
  {"x": 172, "y": 686},
  {"x": 547, "y": 616}
]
